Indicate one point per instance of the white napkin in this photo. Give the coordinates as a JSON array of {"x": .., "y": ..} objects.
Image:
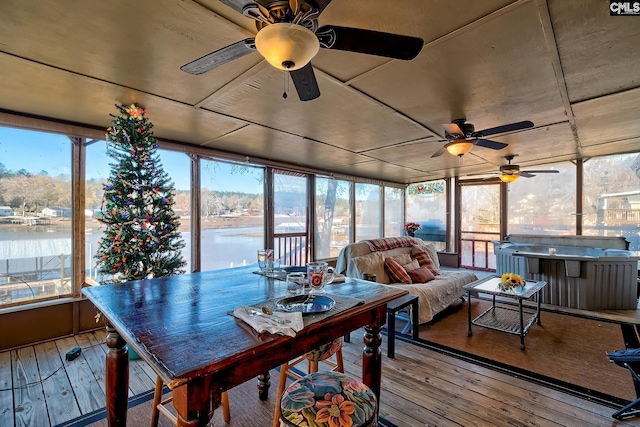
[{"x": 262, "y": 323}]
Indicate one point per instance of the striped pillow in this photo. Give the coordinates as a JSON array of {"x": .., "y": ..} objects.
[
  {"x": 421, "y": 275},
  {"x": 425, "y": 261},
  {"x": 396, "y": 273}
]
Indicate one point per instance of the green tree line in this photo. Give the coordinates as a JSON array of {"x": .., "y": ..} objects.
[{"x": 28, "y": 193}]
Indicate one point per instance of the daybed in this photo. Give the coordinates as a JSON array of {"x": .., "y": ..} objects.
[{"x": 368, "y": 257}]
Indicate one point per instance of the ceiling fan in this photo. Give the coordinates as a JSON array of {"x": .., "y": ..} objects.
[
  {"x": 510, "y": 173},
  {"x": 462, "y": 136},
  {"x": 288, "y": 37}
]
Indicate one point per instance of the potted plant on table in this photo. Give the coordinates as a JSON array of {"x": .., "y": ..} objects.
[{"x": 410, "y": 228}]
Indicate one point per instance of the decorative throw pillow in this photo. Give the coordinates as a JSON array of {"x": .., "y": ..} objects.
[
  {"x": 425, "y": 260},
  {"x": 401, "y": 259},
  {"x": 372, "y": 263},
  {"x": 396, "y": 273},
  {"x": 430, "y": 250},
  {"x": 411, "y": 266},
  {"x": 421, "y": 275}
]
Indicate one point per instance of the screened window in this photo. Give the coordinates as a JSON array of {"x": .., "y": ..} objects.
[
  {"x": 427, "y": 206},
  {"x": 35, "y": 216},
  {"x": 333, "y": 216},
  {"x": 544, "y": 204},
  {"x": 96, "y": 174},
  {"x": 231, "y": 214},
  {"x": 393, "y": 211},
  {"x": 611, "y": 197},
  {"x": 178, "y": 166},
  {"x": 368, "y": 212}
]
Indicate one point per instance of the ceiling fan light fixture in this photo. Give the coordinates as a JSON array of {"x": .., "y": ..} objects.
[
  {"x": 287, "y": 46},
  {"x": 459, "y": 148},
  {"x": 509, "y": 178}
]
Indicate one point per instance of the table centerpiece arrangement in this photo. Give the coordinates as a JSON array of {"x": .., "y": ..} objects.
[{"x": 511, "y": 282}]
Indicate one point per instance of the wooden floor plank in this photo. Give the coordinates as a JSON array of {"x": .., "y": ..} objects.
[
  {"x": 439, "y": 370},
  {"x": 139, "y": 381},
  {"x": 446, "y": 404},
  {"x": 28, "y": 397},
  {"x": 96, "y": 357},
  {"x": 501, "y": 390},
  {"x": 6, "y": 390},
  {"x": 141, "y": 376},
  {"x": 449, "y": 366},
  {"x": 420, "y": 387},
  {"x": 60, "y": 400},
  {"x": 89, "y": 395},
  {"x": 86, "y": 341}
]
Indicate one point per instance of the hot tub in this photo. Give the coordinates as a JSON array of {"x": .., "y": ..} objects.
[{"x": 585, "y": 272}]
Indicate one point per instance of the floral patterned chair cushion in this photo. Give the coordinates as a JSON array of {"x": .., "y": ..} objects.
[
  {"x": 325, "y": 351},
  {"x": 328, "y": 399}
]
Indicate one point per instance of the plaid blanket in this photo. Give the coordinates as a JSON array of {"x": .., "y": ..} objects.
[{"x": 391, "y": 243}]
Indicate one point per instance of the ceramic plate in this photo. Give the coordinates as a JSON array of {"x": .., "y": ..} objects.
[{"x": 306, "y": 304}]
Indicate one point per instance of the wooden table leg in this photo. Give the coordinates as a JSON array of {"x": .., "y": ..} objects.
[
  {"x": 116, "y": 378},
  {"x": 371, "y": 355},
  {"x": 263, "y": 385},
  {"x": 195, "y": 401}
]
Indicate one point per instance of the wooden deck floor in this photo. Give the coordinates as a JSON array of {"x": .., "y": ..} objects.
[{"x": 38, "y": 387}]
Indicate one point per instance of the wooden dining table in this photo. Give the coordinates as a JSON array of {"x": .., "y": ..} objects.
[{"x": 182, "y": 328}]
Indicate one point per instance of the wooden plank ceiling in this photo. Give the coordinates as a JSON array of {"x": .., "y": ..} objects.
[{"x": 568, "y": 67}]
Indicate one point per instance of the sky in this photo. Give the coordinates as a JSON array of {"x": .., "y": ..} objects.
[{"x": 38, "y": 151}]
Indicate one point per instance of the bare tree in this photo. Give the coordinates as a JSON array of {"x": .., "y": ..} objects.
[{"x": 18, "y": 189}]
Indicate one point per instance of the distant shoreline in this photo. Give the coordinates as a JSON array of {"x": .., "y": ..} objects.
[{"x": 212, "y": 222}]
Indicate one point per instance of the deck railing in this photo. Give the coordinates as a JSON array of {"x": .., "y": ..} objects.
[
  {"x": 291, "y": 248},
  {"x": 622, "y": 216},
  {"x": 476, "y": 250}
]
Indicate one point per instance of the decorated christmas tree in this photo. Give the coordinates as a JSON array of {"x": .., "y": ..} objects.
[{"x": 141, "y": 238}]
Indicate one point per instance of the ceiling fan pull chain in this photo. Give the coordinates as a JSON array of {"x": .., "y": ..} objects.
[{"x": 285, "y": 73}]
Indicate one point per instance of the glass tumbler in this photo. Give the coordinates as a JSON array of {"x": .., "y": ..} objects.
[
  {"x": 265, "y": 259},
  {"x": 295, "y": 284}
]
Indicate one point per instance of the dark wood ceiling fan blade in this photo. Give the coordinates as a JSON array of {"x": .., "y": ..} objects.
[
  {"x": 237, "y": 5},
  {"x": 370, "y": 42},
  {"x": 526, "y": 174},
  {"x": 543, "y": 171},
  {"x": 494, "y": 145},
  {"x": 453, "y": 129},
  {"x": 439, "y": 153},
  {"x": 220, "y": 57},
  {"x": 506, "y": 128},
  {"x": 304, "y": 79},
  {"x": 322, "y": 4}
]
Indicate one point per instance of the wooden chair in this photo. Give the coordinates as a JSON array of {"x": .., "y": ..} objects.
[
  {"x": 160, "y": 406},
  {"x": 322, "y": 354}
]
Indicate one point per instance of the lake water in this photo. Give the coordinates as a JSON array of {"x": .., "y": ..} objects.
[{"x": 221, "y": 248}]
